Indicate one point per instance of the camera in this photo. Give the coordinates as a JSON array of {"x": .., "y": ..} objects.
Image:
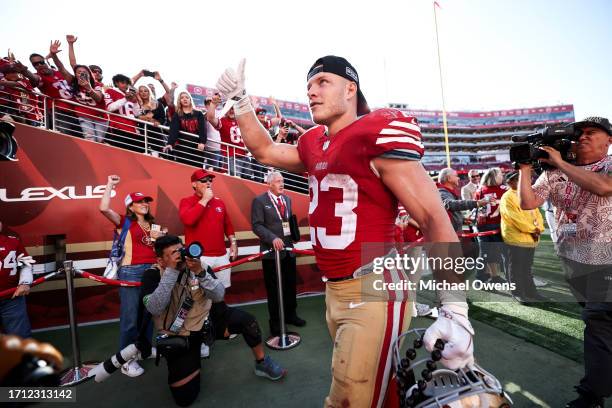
[
  {"x": 526, "y": 149},
  {"x": 8, "y": 144},
  {"x": 84, "y": 76},
  {"x": 194, "y": 250},
  {"x": 148, "y": 73}
]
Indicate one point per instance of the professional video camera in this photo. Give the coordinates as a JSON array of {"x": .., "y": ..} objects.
[{"x": 527, "y": 148}]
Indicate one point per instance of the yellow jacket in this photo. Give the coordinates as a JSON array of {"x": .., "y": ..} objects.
[{"x": 517, "y": 224}]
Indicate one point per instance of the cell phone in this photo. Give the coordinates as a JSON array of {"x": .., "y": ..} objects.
[
  {"x": 155, "y": 227},
  {"x": 148, "y": 73},
  {"x": 83, "y": 75}
]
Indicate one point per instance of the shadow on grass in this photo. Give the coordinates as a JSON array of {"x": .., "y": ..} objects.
[{"x": 531, "y": 332}]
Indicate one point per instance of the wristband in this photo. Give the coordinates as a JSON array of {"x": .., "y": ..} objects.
[{"x": 243, "y": 106}]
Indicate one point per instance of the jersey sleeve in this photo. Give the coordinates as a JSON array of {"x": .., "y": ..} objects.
[
  {"x": 304, "y": 145},
  {"x": 395, "y": 135}
]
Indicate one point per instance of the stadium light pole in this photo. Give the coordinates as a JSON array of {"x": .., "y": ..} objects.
[{"x": 448, "y": 162}]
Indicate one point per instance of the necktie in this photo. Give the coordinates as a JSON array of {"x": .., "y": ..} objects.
[{"x": 281, "y": 207}]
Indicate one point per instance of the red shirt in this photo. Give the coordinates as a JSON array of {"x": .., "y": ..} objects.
[
  {"x": 86, "y": 100},
  {"x": 127, "y": 109},
  {"x": 10, "y": 248},
  {"x": 24, "y": 100},
  {"x": 209, "y": 225},
  {"x": 138, "y": 245},
  {"x": 489, "y": 214},
  {"x": 230, "y": 133},
  {"x": 56, "y": 87},
  {"x": 349, "y": 204}
]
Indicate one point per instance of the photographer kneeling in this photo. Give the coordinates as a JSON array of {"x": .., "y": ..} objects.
[
  {"x": 179, "y": 293},
  {"x": 582, "y": 196}
]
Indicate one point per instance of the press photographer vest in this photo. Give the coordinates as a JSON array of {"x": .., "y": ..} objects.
[{"x": 196, "y": 316}]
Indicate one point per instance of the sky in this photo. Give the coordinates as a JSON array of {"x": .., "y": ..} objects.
[{"x": 496, "y": 54}]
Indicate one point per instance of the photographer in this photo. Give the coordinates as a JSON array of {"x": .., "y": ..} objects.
[
  {"x": 179, "y": 294},
  {"x": 581, "y": 195}
]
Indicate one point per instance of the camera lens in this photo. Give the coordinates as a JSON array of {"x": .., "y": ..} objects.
[
  {"x": 8, "y": 144},
  {"x": 194, "y": 250}
]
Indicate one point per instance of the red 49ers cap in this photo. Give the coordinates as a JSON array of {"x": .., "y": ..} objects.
[
  {"x": 136, "y": 197},
  {"x": 341, "y": 67},
  {"x": 200, "y": 174}
]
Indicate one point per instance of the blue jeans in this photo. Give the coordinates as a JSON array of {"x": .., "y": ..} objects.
[
  {"x": 14, "y": 317},
  {"x": 128, "y": 312}
]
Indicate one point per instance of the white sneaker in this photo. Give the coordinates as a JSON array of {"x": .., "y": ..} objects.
[
  {"x": 204, "y": 351},
  {"x": 539, "y": 283},
  {"x": 132, "y": 369}
]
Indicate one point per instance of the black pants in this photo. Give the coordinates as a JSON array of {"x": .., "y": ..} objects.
[
  {"x": 182, "y": 366},
  {"x": 591, "y": 285},
  {"x": 288, "y": 272},
  {"x": 65, "y": 122},
  {"x": 236, "y": 321},
  {"x": 519, "y": 263}
]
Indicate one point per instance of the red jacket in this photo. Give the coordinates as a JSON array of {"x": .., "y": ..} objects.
[{"x": 209, "y": 225}]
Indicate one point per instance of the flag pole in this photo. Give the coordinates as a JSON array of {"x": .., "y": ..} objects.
[{"x": 444, "y": 123}]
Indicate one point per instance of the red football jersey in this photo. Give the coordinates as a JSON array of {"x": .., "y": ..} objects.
[
  {"x": 127, "y": 109},
  {"x": 489, "y": 214},
  {"x": 56, "y": 87},
  {"x": 86, "y": 100},
  {"x": 230, "y": 133},
  {"x": 25, "y": 102},
  {"x": 10, "y": 248},
  {"x": 349, "y": 204},
  {"x": 138, "y": 246}
]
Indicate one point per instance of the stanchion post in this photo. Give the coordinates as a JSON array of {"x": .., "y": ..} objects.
[
  {"x": 78, "y": 373},
  {"x": 285, "y": 340}
]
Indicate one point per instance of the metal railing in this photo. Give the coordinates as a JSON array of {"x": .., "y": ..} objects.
[{"x": 74, "y": 119}]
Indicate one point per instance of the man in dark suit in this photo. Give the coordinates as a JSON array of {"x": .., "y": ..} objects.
[{"x": 270, "y": 214}]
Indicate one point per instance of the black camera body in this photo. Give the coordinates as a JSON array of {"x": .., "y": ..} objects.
[
  {"x": 194, "y": 251},
  {"x": 526, "y": 149}
]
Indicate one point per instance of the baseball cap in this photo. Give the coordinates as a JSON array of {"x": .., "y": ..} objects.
[
  {"x": 595, "y": 121},
  {"x": 260, "y": 110},
  {"x": 136, "y": 197},
  {"x": 200, "y": 174},
  {"x": 341, "y": 67},
  {"x": 511, "y": 175}
]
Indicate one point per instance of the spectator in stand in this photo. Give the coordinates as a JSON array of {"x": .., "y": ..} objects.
[
  {"x": 206, "y": 220},
  {"x": 123, "y": 102},
  {"x": 492, "y": 189},
  {"x": 93, "y": 123},
  {"x": 469, "y": 190},
  {"x": 139, "y": 256},
  {"x": 270, "y": 213},
  {"x": 23, "y": 103},
  {"x": 152, "y": 111},
  {"x": 521, "y": 231},
  {"x": 95, "y": 69},
  {"x": 53, "y": 84},
  {"x": 15, "y": 271},
  {"x": 230, "y": 134},
  {"x": 190, "y": 120},
  {"x": 213, "y": 160}
]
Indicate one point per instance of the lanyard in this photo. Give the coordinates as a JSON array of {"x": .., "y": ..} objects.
[{"x": 276, "y": 206}]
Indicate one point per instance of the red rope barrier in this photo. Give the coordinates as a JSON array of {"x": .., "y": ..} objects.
[
  {"x": 241, "y": 261},
  {"x": 9, "y": 292},
  {"x": 302, "y": 251},
  {"x": 479, "y": 234},
  {"x": 102, "y": 279}
]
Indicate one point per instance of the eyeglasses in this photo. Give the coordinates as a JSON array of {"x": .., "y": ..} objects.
[
  {"x": 36, "y": 63},
  {"x": 206, "y": 180},
  {"x": 95, "y": 71}
]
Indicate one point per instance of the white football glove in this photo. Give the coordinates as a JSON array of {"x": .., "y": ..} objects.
[
  {"x": 454, "y": 328},
  {"x": 231, "y": 86},
  {"x": 23, "y": 260}
]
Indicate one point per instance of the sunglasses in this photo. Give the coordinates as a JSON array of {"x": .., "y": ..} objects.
[
  {"x": 36, "y": 63},
  {"x": 206, "y": 180},
  {"x": 95, "y": 71}
]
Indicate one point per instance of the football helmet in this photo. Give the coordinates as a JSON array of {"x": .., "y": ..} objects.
[{"x": 469, "y": 387}]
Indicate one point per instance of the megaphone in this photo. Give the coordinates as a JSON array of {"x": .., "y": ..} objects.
[{"x": 8, "y": 144}]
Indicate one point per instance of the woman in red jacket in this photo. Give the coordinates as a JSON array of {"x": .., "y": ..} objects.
[{"x": 489, "y": 219}]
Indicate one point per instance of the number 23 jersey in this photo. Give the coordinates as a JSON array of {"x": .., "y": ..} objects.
[{"x": 349, "y": 204}]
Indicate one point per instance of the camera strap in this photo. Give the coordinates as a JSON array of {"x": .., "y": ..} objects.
[{"x": 186, "y": 305}]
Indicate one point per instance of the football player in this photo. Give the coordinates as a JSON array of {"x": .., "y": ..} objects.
[
  {"x": 15, "y": 271},
  {"x": 359, "y": 164}
]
